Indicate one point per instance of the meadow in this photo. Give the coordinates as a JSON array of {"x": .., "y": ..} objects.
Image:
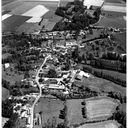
[
  {"x": 100, "y": 108},
  {"x": 49, "y": 108},
  {"x": 105, "y": 124}
]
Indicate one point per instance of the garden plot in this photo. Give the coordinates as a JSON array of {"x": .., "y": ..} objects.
[
  {"x": 98, "y": 108},
  {"x": 36, "y": 13},
  {"x": 105, "y": 124}
]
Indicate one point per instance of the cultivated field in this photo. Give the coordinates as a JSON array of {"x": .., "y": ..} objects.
[
  {"x": 100, "y": 108},
  {"x": 27, "y": 14},
  {"x": 97, "y": 109},
  {"x": 49, "y": 109},
  {"x": 110, "y": 7},
  {"x": 114, "y": 1},
  {"x": 13, "y": 22},
  {"x": 4, "y": 2},
  {"x": 105, "y": 124}
]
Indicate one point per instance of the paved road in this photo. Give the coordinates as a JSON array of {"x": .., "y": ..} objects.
[{"x": 40, "y": 94}]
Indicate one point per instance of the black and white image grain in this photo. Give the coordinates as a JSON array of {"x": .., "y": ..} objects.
[{"x": 63, "y": 64}]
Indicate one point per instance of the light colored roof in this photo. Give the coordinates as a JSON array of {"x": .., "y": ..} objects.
[
  {"x": 7, "y": 65},
  {"x": 82, "y": 73}
]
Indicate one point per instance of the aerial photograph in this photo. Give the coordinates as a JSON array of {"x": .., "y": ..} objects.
[{"x": 63, "y": 63}]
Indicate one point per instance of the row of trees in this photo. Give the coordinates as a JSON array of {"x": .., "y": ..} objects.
[
  {"x": 120, "y": 116},
  {"x": 118, "y": 96}
]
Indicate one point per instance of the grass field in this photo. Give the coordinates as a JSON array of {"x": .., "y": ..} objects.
[
  {"x": 100, "y": 108},
  {"x": 114, "y": 8},
  {"x": 114, "y": 1},
  {"x": 121, "y": 39},
  {"x": 102, "y": 85},
  {"x": 28, "y": 28},
  {"x": 5, "y": 93},
  {"x": 50, "y": 108},
  {"x": 97, "y": 109},
  {"x": 4, "y": 2},
  {"x": 74, "y": 114},
  {"x": 105, "y": 124},
  {"x": 110, "y": 22}
]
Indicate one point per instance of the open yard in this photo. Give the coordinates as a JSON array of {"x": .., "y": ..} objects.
[
  {"x": 49, "y": 108},
  {"x": 105, "y": 124},
  {"x": 100, "y": 108}
]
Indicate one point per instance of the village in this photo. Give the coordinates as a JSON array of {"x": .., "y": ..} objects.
[{"x": 73, "y": 76}]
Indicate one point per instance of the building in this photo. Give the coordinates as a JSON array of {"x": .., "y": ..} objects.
[{"x": 82, "y": 74}]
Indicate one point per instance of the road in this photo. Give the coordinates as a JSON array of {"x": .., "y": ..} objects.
[{"x": 40, "y": 94}]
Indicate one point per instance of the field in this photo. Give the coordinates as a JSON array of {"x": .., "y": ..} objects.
[
  {"x": 121, "y": 39},
  {"x": 4, "y": 2},
  {"x": 105, "y": 124},
  {"x": 25, "y": 16},
  {"x": 37, "y": 11},
  {"x": 13, "y": 22},
  {"x": 97, "y": 109},
  {"x": 100, "y": 108},
  {"x": 74, "y": 114},
  {"x": 28, "y": 28},
  {"x": 49, "y": 109},
  {"x": 102, "y": 85},
  {"x": 5, "y": 93},
  {"x": 114, "y": 1},
  {"x": 114, "y": 7},
  {"x": 110, "y": 22}
]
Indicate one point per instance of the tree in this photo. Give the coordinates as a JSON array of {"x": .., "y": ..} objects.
[
  {"x": 52, "y": 73},
  {"x": 7, "y": 108},
  {"x": 11, "y": 123},
  {"x": 5, "y": 84}
]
